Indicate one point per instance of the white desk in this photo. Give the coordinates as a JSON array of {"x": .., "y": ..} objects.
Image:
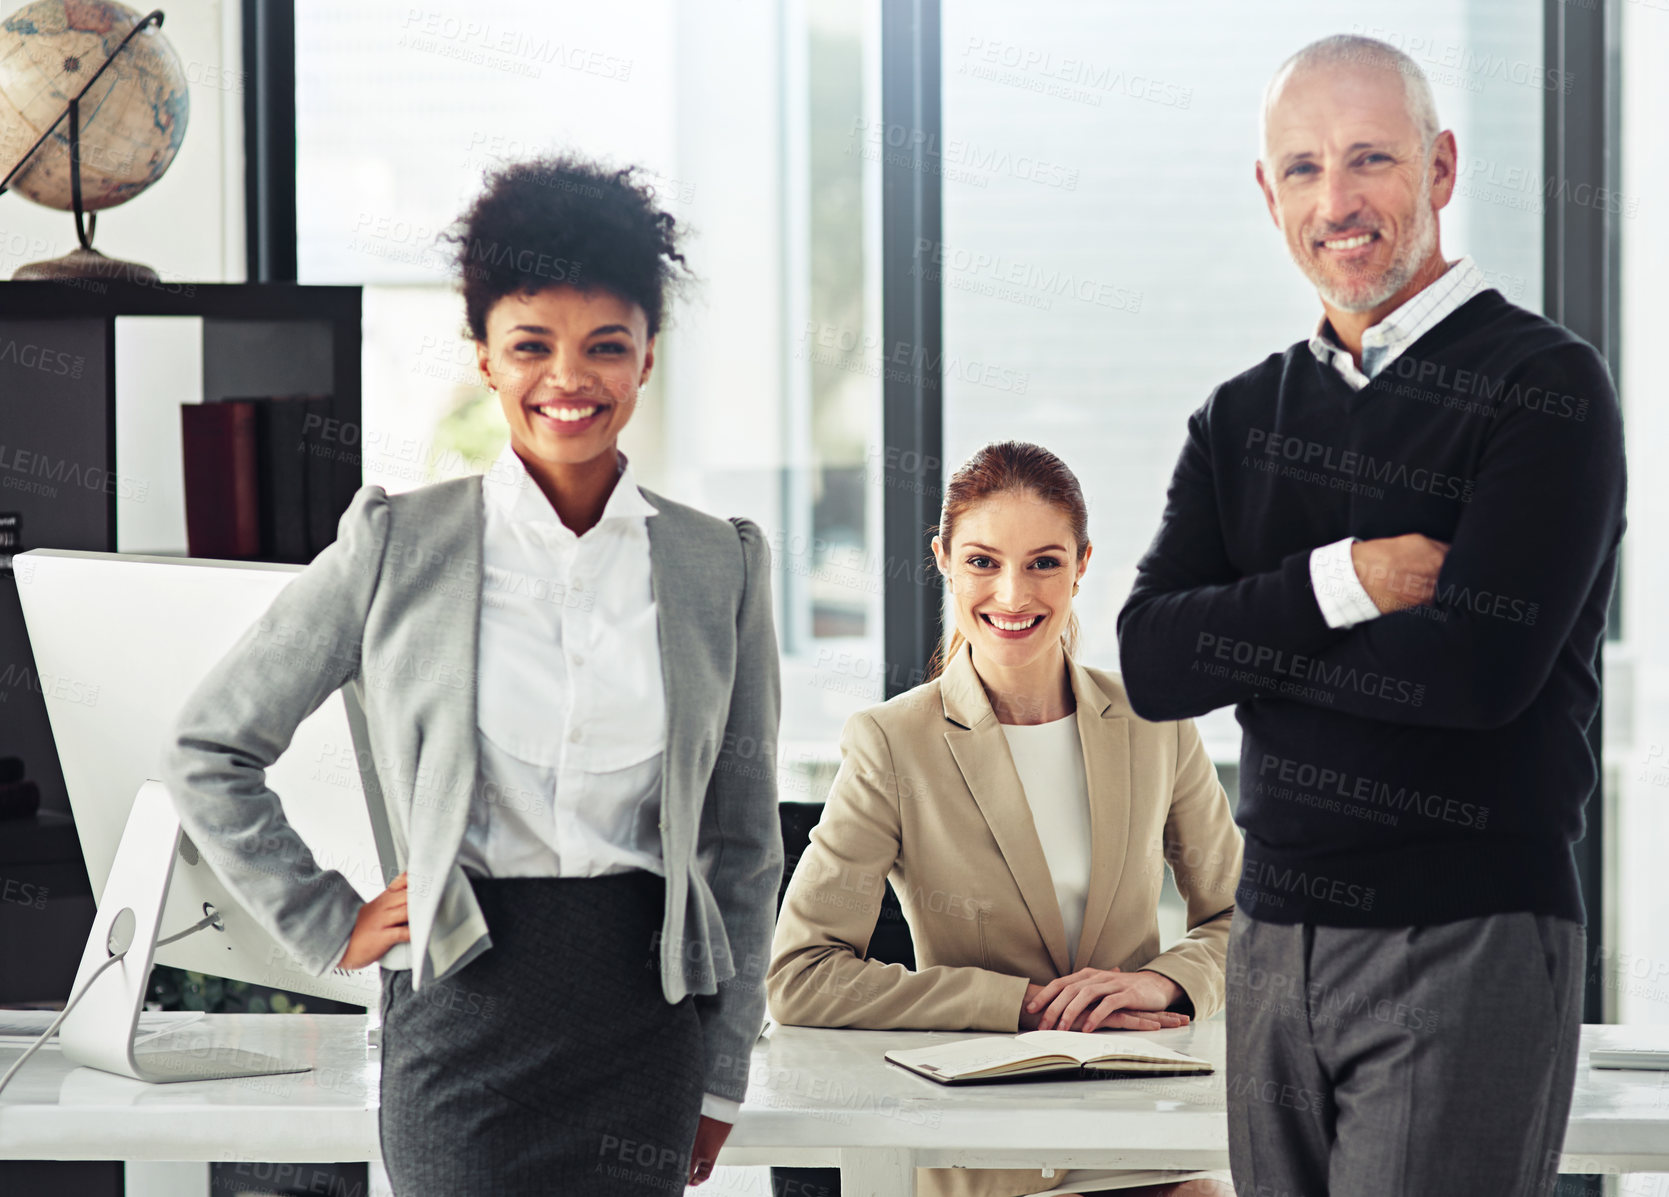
[
  {"x": 822, "y": 1098},
  {"x": 817, "y": 1098}
]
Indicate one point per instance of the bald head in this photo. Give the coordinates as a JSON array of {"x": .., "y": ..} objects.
[
  {"x": 1354, "y": 169},
  {"x": 1351, "y": 54}
]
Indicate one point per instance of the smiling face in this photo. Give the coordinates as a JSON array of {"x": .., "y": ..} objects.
[
  {"x": 1011, "y": 566},
  {"x": 1351, "y": 187},
  {"x": 567, "y": 365}
]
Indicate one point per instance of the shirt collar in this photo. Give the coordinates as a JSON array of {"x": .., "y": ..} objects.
[
  {"x": 511, "y": 490},
  {"x": 1422, "y": 312}
]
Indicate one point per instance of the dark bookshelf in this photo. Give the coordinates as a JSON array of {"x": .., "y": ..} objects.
[{"x": 58, "y": 418}]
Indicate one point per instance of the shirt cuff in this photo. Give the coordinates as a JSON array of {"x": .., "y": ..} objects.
[
  {"x": 1339, "y": 593},
  {"x": 336, "y": 961},
  {"x": 723, "y": 1109}
]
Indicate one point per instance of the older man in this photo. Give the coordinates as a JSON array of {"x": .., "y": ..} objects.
[{"x": 1392, "y": 546}]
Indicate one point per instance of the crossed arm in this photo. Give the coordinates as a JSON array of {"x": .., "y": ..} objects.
[{"x": 1527, "y": 551}]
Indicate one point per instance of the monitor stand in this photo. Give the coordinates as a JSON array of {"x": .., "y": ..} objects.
[{"x": 98, "y": 1032}]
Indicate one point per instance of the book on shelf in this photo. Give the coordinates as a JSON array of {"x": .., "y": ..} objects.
[
  {"x": 323, "y": 445},
  {"x": 294, "y": 512},
  {"x": 222, "y": 481},
  {"x": 283, "y": 474},
  {"x": 1053, "y": 1055}
]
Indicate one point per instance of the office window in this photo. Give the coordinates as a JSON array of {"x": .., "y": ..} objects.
[
  {"x": 1636, "y": 966},
  {"x": 744, "y": 125}
]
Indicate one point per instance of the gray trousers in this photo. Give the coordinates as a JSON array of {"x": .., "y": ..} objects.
[{"x": 1402, "y": 1061}]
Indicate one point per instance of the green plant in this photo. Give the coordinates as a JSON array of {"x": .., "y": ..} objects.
[{"x": 182, "y": 989}]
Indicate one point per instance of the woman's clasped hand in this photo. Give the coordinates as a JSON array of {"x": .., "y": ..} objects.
[{"x": 1103, "y": 999}]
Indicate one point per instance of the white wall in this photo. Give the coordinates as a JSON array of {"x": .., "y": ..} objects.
[{"x": 159, "y": 365}]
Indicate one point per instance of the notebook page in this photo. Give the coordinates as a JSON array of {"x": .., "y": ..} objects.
[
  {"x": 1085, "y": 1046},
  {"x": 970, "y": 1055}
]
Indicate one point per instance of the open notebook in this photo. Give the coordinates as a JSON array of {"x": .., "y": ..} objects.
[{"x": 1060, "y": 1055}]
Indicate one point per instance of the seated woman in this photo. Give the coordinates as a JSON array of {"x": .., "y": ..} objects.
[{"x": 1024, "y": 815}]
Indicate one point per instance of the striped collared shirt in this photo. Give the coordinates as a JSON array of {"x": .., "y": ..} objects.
[{"x": 1384, "y": 342}]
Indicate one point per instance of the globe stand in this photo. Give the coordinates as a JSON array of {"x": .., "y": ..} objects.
[{"x": 86, "y": 262}]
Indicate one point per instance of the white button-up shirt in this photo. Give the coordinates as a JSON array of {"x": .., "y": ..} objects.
[
  {"x": 1339, "y": 592},
  {"x": 570, "y": 711},
  {"x": 570, "y": 706}
]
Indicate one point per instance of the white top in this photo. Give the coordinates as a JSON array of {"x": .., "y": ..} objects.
[
  {"x": 570, "y": 710},
  {"x": 1050, "y": 760},
  {"x": 1339, "y": 593}
]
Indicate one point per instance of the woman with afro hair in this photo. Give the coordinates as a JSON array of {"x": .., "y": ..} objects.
[{"x": 571, "y": 691}]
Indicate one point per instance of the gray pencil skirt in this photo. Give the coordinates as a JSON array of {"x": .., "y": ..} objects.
[{"x": 551, "y": 1063}]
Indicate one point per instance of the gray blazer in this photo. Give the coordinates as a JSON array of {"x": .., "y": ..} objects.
[{"x": 391, "y": 610}]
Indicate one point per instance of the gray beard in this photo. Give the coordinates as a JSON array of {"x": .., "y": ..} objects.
[{"x": 1403, "y": 268}]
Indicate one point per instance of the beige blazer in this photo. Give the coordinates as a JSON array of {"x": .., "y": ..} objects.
[{"x": 927, "y": 795}]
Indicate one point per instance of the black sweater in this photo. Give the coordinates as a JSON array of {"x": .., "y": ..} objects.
[{"x": 1427, "y": 765}]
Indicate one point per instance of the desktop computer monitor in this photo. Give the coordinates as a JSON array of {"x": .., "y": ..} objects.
[{"x": 120, "y": 641}]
